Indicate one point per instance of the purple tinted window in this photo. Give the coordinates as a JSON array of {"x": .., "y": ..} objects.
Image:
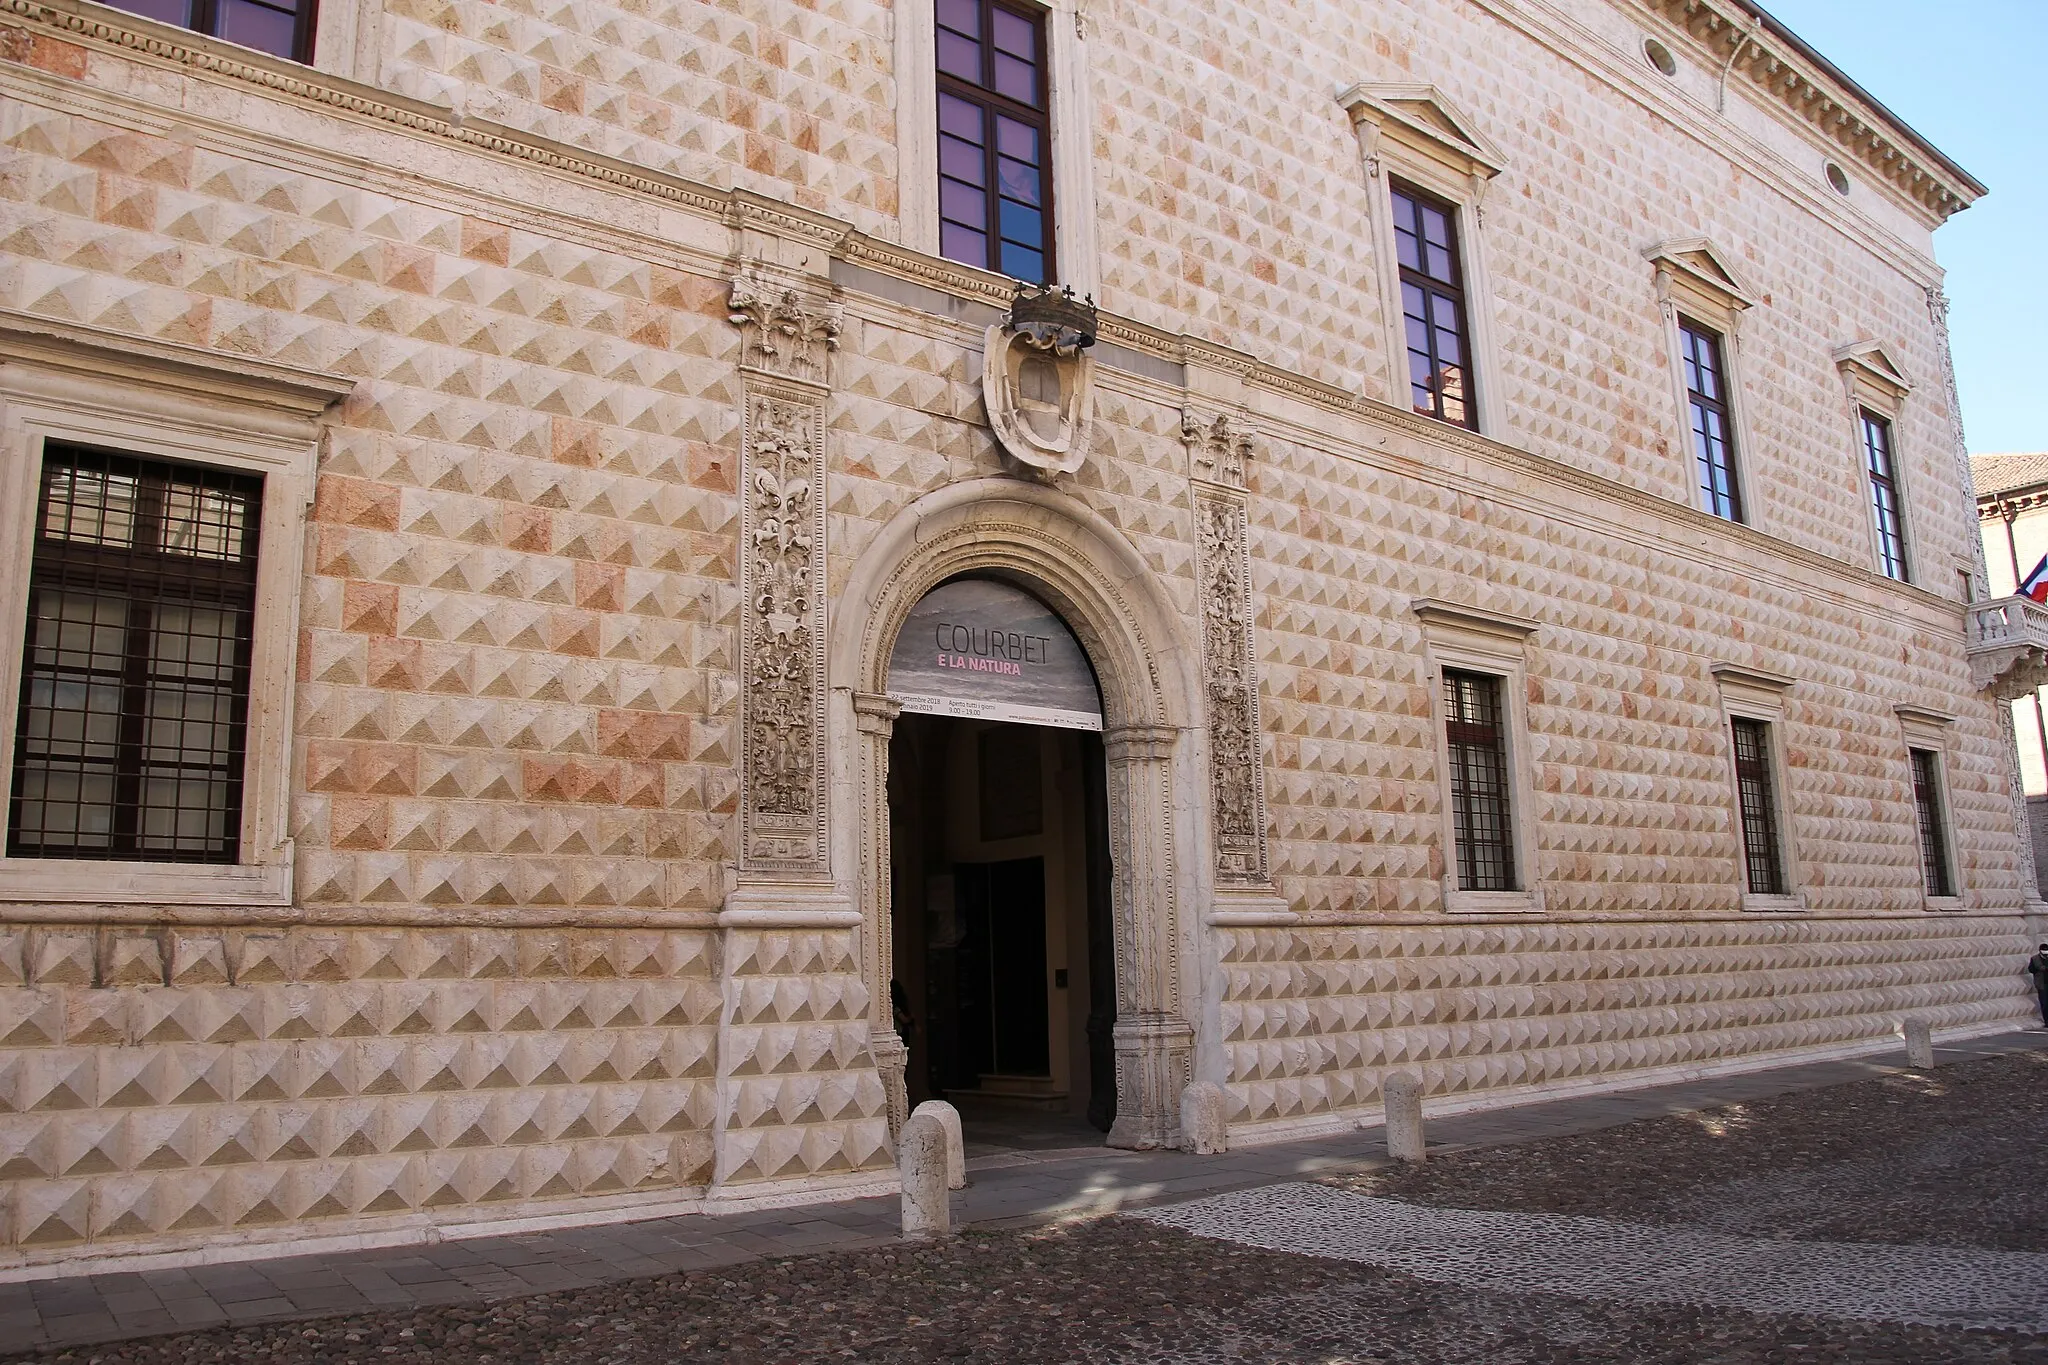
[
  {"x": 989, "y": 67},
  {"x": 283, "y": 30},
  {"x": 1433, "y": 305},
  {"x": 258, "y": 26}
]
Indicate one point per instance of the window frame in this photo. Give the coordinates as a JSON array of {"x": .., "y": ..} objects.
[
  {"x": 1754, "y": 695},
  {"x": 1461, "y": 639},
  {"x": 1456, "y": 170},
  {"x": 1875, "y": 389},
  {"x": 75, "y": 385},
  {"x": 1697, "y": 400},
  {"x": 1696, "y": 283},
  {"x": 1933, "y": 733},
  {"x": 992, "y": 102},
  {"x": 1867, "y": 422},
  {"x": 1759, "y": 775},
  {"x": 1070, "y": 111},
  {"x": 1400, "y": 188}
]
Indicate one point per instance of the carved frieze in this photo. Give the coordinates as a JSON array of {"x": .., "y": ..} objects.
[
  {"x": 781, "y": 566},
  {"x": 783, "y": 331},
  {"x": 1230, "y": 679}
]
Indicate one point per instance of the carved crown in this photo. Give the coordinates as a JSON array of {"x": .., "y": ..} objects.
[{"x": 1052, "y": 319}]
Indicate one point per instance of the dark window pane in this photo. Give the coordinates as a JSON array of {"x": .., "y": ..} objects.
[
  {"x": 959, "y": 56},
  {"x": 134, "y": 692},
  {"x": 962, "y": 160},
  {"x": 1019, "y": 140},
  {"x": 1023, "y": 263},
  {"x": 1475, "y": 735},
  {"x": 965, "y": 245},
  {"x": 1018, "y": 181},
  {"x": 962, "y": 203},
  {"x": 1022, "y": 224},
  {"x": 1934, "y": 860},
  {"x": 1016, "y": 35},
  {"x": 1758, "y": 802},
  {"x": 1015, "y": 79},
  {"x": 963, "y": 16},
  {"x": 961, "y": 118},
  {"x": 1408, "y": 249},
  {"x": 177, "y": 12},
  {"x": 257, "y": 26}
]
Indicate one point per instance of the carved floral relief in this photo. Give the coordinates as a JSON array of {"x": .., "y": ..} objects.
[
  {"x": 1231, "y": 690},
  {"x": 781, "y": 709}
]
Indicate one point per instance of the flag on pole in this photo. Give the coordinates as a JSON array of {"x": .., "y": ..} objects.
[{"x": 2035, "y": 584}]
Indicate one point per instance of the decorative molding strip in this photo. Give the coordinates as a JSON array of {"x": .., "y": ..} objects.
[
  {"x": 1461, "y": 619},
  {"x": 93, "y": 352}
]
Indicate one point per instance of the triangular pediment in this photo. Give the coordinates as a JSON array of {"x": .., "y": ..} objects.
[
  {"x": 1870, "y": 362},
  {"x": 1423, "y": 119},
  {"x": 1697, "y": 262}
]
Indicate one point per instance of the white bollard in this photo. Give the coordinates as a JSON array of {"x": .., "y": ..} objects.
[
  {"x": 1202, "y": 1128},
  {"x": 1919, "y": 1044},
  {"x": 956, "y": 1148},
  {"x": 921, "y": 1162},
  {"x": 1403, "y": 1096}
]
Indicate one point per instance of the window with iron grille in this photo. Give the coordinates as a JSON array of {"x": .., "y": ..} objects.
[
  {"x": 1933, "y": 823},
  {"x": 1884, "y": 496},
  {"x": 1433, "y": 307},
  {"x": 283, "y": 28},
  {"x": 135, "y": 670},
  {"x": 1476, "y": 731},
  {"x": 1713, "y": 434},
  {"x": 995, "y": 139},
  {"x": 1758, "y": 799}
]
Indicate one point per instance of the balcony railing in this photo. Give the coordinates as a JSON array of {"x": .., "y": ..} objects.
[{"x": 2009, "y": 646}]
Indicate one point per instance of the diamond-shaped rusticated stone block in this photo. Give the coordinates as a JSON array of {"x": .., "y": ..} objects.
[
  {"x": 795, "y": 1049},
  {"x": 783, "y": 1152},
  {"x": 791, "y": 952}
]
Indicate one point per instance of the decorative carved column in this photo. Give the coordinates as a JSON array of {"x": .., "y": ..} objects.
[
  {"x": 876, "y": 717},
  {"x": 1154, "y": 1044},
  {"x": 1218, "y": 453},
  {"x": 786, "y": 340}
]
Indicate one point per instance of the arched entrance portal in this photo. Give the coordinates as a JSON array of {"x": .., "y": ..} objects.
[
  {"x": 1003, "y": 974},
  {"x": 1088, "y": 577}
]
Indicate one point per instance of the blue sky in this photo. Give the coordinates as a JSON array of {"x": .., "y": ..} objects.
[{"x": 1969, "y": 75}]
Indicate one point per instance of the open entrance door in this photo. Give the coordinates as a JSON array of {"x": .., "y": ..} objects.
[{"x": 1004, "y": 973}]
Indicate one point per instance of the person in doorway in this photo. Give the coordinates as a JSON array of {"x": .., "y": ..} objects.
[{"x": 2037, "y": 967}]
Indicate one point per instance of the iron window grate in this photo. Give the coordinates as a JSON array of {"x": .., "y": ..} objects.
[
  {"x": 1759, "y": 808},
  {"x": 1934, "y": 865},
  {"x": 1479, "y": 781},
  {"x": 135, "y": 668}
]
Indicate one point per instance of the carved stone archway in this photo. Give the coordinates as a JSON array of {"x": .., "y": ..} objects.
[{"x": 1077, "y": 564}]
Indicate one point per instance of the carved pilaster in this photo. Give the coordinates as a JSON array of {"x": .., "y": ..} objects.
[
  {"x": 1140, "y": 761},
  {"x": 1155, "y": 1055},
  {"x": 787, "y": 337},
  {"x": 876, "y": 718},
  {"x": 1219, "y": 453}
]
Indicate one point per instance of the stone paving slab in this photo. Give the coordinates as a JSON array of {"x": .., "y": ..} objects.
[
  {"x": 1023, "y": 1188},
  {"x": 1597, "y": 1258}
]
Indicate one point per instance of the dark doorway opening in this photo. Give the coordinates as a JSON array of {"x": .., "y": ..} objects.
[{"x": 1004, "y": 961}]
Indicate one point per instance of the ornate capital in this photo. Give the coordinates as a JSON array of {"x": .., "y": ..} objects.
[
  {"x": 876, "y": 714},
  {"x": 1220, "y": 450},
  {"x": 783, "y": 331},
  {"x": 1139, "y": 743}
]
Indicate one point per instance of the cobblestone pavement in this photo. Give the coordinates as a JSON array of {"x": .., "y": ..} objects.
[{"x": 1744, "y": 1157}]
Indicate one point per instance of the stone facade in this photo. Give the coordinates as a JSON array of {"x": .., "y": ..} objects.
[{"x": 649, "y": 431}]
